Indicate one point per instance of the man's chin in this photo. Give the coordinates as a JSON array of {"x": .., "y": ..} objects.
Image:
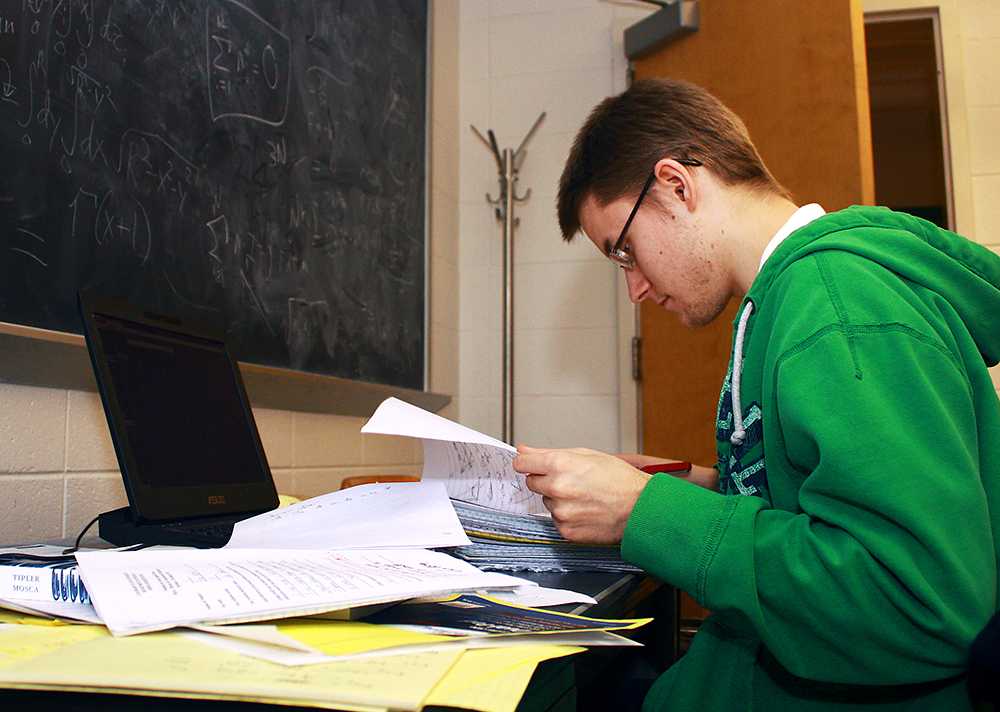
[{"x": 693, "y": 320}]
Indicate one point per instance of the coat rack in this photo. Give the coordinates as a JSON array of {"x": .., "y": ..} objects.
[{"x": 508, "y": 166}]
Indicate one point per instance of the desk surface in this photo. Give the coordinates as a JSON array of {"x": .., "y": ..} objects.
[{"x": 557, "y": 685}]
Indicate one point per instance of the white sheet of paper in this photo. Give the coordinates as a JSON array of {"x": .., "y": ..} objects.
[
  {"x": 474, "y": 467},
  {"x": 393, "y": 515},
  {"x": 396, "y": 417},
  {"x": 266, "y": 634},
  {"x": 540, "y": 597},
  {"x": 136, "y": 592}
]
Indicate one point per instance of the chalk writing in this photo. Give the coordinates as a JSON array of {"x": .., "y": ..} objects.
[
  {"x": 249, "y": 64},
  {"x": 257, "y": 160}
]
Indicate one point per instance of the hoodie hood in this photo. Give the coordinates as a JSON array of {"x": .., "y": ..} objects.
[{"x": 965, "y": 274}]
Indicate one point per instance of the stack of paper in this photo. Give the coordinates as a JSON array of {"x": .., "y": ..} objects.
[
  {"x": 508, "y": 524},
  {"x": 465, "y": 621},
  {"x": 176, "y": 665},
  {"x": 141, "y": 591},
  {"x": 516, "y": 542},
  {"x": 477, "y": 614},
  {"x": 356, "y": 518},
  {"x": 421, "y": 653}
]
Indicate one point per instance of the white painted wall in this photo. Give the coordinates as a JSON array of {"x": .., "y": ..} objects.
[{"x": 517, "y": 59}]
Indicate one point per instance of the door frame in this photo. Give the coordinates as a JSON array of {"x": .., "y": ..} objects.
[
  {"x": 952, "y": 83},
  {"x": 959, "y": 160}
]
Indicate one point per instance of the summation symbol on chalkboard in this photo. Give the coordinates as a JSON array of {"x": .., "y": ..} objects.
[{"x": 249, "y": 64}]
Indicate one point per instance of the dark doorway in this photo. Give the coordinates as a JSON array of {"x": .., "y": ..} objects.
[{"x": 909, "y": 121}]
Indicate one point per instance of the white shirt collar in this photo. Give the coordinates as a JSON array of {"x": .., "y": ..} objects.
[{"x": 800, "y": 218}]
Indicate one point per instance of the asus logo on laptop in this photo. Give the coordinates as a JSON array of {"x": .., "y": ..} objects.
[{"x": 216, "y": 499}]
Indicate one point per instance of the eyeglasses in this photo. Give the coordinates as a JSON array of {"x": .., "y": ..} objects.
[{"x": 619, "y": 253}]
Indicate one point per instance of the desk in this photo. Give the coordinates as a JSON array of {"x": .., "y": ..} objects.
[
  {"x": 607, "y": 678},
  {"x": 600, "y": 679}
]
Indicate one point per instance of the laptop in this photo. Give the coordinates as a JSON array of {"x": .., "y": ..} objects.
[{"x": 187, "y": 444}]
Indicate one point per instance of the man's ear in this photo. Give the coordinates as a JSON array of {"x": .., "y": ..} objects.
[{"x": 677, "y": 182}]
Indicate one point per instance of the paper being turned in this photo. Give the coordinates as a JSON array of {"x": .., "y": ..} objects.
[{"x": 474, "y": 467}]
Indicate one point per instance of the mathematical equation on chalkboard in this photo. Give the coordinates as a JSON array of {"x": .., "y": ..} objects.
[{"x": 261, "y": 163}]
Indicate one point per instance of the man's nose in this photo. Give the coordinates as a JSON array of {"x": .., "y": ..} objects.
[{"x": 638, "y": 285}]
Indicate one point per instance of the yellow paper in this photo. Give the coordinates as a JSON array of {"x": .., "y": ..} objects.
[
  {"x": 494, "y": 679},
  {"x": 87, "y": 657},
  {"x": 352, "y": 637},
  {"x": 20, "y": 643},
  {"x": 11, "y": 617}
]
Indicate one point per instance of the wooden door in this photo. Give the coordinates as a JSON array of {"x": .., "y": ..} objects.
[{"x": 794, "y": 71}]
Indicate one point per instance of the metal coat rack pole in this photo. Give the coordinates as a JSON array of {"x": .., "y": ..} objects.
[{"x": 508, "y": 166}]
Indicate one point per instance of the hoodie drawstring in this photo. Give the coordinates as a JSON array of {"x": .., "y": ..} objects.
[{"x": 739, "y": 432}]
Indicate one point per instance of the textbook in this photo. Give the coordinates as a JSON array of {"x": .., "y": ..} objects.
[
  {"x": 40, "y": 573},
  {"x": 40, "y": 579}
]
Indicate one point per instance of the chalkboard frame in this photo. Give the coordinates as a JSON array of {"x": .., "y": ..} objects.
[{"x": 57, "y": 359}]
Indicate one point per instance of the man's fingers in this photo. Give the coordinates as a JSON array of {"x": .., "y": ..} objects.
[
  {"x": 537, "y": 461},
  {"x": 532, "y": 482}
]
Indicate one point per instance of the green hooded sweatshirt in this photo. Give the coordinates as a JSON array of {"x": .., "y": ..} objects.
[{"x": 850, "y": 557}]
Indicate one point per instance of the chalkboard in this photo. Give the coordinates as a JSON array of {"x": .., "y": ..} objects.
[{"x": 258, "y": 162}]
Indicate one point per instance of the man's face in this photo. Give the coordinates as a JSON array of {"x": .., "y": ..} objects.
[{"x": 674, "y": 261}]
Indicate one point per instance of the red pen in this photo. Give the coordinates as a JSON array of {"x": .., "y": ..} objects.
[{"x": 672, "y": 467}]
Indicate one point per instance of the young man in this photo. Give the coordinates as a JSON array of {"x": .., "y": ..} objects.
[{"x": 847, "y": 539}]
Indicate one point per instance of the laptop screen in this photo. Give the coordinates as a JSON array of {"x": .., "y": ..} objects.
[
  {"x": 180, "y": 406},
  {"x": 178, "y": 413}
]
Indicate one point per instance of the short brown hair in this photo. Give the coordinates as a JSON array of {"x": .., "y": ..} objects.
[{"x": 626, "y": 135}]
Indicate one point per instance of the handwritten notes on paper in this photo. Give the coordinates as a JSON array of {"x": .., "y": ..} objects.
[
  {"x": 356, "y": 518},
  {"x": 63, "y": 657},
  {"x": 474, "y": 467}
]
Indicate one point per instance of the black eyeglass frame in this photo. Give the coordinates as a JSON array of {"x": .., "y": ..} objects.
[{"x": 619, "y": 253}]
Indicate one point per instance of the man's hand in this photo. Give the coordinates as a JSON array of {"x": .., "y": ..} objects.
[{"x": 589, "y": 493}]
